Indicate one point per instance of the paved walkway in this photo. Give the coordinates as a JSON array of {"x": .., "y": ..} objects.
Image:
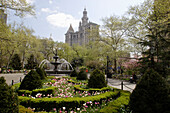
[
  {"x": 112, "y": 82},
  {"x": 12, "y": 76},
  {"x": 117, "y": 84}
]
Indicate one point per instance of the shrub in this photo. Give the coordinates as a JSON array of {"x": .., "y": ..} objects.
[
  {"x": 16, "y": 62},
  {"x": 151, "y": 94},
  {"x": 49, "y": 103},
  {"x": 31, "y": 81},
  {"x": 74, "y": 73},
  {"x": 41, "y": 73},
  {"x": 82, "y": 75},
  {"x": 32, "y": 62},
  {"x": 114, "y": 107},
  {"x": 22, "y": 109},
  {"x": 8, "y": 98},
  {"x": 97, "y": 79}
]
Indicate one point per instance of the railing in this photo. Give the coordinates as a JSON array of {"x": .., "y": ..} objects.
[
  {"x": 122, "y": 84},
  {"x": 12, "y": 83}
]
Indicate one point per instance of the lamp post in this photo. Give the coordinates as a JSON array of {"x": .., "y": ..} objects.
[
  {"x": 152, "y": 54},
  {"x": 107, "y": 69}
]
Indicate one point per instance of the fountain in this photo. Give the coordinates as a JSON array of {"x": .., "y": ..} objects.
[{"x": 60, "y": 66}]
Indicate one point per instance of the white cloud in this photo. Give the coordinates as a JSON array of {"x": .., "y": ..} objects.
[
  {"x": 50, "y": 1},
  {"x": 62, "y": 20},
  {"x": 30, "y": 1},
  {"x": 47, "y": 10}
]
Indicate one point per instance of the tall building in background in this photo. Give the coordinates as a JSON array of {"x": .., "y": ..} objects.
[
  {"x": 3, "y": 16},
  {"x": 81, "y": 36}
]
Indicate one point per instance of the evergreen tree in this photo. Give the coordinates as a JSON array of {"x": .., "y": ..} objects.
[
  {"x": 74, "y": 73},
  {"x": 97, "y": 79},
  {"x": 32, "y": 63},
  {"x": 16, "y": 62},
  {"x": 41, "y": 73},
  {"x": 31, "y": 81},
  {"x": 8, "y": 98},
  {"x": 151, "y": 94},
  {"x": 82, "y": 75}
]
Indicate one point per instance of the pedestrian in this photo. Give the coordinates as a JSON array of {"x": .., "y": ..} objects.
[{"x": 134, "y": 77}]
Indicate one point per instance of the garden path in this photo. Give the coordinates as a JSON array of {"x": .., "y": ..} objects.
[
  {"x": 112, "y": 82},
  {"x": 12, "y": 76},
  {"x": 117, "y": 84}
]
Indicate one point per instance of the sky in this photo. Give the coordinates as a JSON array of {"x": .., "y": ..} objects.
[{"x": 53, "y": 17}]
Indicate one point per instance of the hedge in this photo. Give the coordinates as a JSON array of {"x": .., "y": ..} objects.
[
  {"x": 114, "y": 107},
  {"x": 22, "y": 109},
  {"x": 78, "y": 88},
  {"x": 48, "y": 104},
  {"x": 45, "y": 92}
]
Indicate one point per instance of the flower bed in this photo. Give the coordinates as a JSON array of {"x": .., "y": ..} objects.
[
  {"x": 61, "y": 88},
  {"x": 116, "y": 105},
  {"x": 48, "y": 104},
  {"x": 61, "y": 95}
]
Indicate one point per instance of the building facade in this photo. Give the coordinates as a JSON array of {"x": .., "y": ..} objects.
[{"x": 81, "y": 36}]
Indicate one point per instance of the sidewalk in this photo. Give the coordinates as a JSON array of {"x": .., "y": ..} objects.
[
  {"x": 12, "y": 76},
  {"x": 117, "y": 84}
]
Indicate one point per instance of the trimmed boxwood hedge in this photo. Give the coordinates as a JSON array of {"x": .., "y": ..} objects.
[
  {"x": 22, "y": 109},
  {"x": 78, "y": 88},
  {"x": 50, "y": 90},
  {"x": 114, "y": 107},
  {"x": 49, "y": 103}
]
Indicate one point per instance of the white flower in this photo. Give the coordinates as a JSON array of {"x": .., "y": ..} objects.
[
  {"x": 64, "y": 108},
  {"x": 78, "y": 109}
]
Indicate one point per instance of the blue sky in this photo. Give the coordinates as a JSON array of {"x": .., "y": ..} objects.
[{"x": 55, "y": 16}]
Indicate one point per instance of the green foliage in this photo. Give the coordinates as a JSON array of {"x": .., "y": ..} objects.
[
  {"x": 74, "y": 73},
  {"x": 31, "y": 81},
  {"x": 77, "y": 62},
  {"x": 97, "y": 79},
  {"x": 16, "y": 62},
  {"x": 49, "y": 103},
  {"x": 32, "y": 63},
  {"x": 78, "y": 88},
  {"x": 114, "y": 107},
  {"x": 8, "y": 98},
  {"x": 41, "y": 73},
  {"x": 151, "y": 94},
  {"x": 22, "y": 109},
  {"x": 46, "y": 91},
  {"x": 82, "y": 75}
]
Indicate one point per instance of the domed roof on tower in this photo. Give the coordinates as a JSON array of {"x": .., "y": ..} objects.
[{"x": 84, "y": 12}]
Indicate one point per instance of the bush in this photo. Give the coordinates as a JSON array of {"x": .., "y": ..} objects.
[
  {"x": 41, "y": 73},
  {"x": 8, "y": 98},
  {"x": 114, "y": 107},
  {"x": 16, "y": 62},
  {"x": 151, "y": 94},
  {"x": 97, "y": 79},
  {"x": 31, "y": 81},
  {"x": 22, "y": 109},
  {"x": 49, "y": 103},
  {"x": 74, "y": 73},
  {"x": 82, "y": 75}
]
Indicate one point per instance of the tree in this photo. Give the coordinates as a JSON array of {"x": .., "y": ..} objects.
[
  {"x": 8, "y": 98},
  {"x": 150, "y": 22},
  {"x": 97, "y": 79},
  {"x": 31, "y": 81},
  {"x": 113, "y": 33},
  {"x": 32, "y": 64},
  {"x": 151, "y": 94},
  {"x": 21, "y": 7},
  {"x": 16, "y": 62}
]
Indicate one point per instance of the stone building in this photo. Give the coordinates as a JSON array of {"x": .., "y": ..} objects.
[
  {"x": 81, "y": 36},
  {"x": 3, "y": 16}
]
